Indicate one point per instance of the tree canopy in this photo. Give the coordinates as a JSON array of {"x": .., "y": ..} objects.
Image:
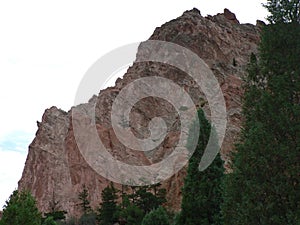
[
  {"x": 201, "y": 194},
  {"x": 108, "y": 212},
  {"x": 21, "y": 209},
  {"x": 264, "y": 185},
  {"x": 156, "y": 217},
  {"x": 283, "y": 11}
]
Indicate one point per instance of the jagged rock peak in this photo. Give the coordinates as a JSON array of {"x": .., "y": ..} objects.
[
  {"x": 194, "y": 11},
  {"x": 230, "y": 16}
]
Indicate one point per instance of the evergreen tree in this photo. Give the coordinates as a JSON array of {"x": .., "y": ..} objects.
[
  {"x": 21, "y": 209},
  {"x": 156, "y": 217},
  {"x": 145, "y": 199},
  {"x": 283, "y": 11},
  {"x": 201, "y": 196},
  {"x": 159, "y": 193},
  {"x": 130, "y": 213},
  {"x": 264, "y": 185},
  {"x": 148, "y": 199},
  {"x": 49, "y": 221},
  {"x": 88, "y": 219},
  {"x": 84, "y": 202},
  {"x": 55, "y": 213},
  {"x": 109, "y": 210}
]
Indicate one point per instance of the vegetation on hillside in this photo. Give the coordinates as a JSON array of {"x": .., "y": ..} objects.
[
  {"x": 264, "y": 185},
  {"x": 201, "y": 194},
  {"x": 21, "y": 208}
]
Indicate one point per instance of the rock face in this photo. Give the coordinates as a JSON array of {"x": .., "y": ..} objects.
[{"x": 55, "y": 170}]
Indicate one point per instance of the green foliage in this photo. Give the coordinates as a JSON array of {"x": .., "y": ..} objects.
[
  {"x": 159, "y": 193},
  {"x": 84, "y": 202},
  {"x": 148, "y": 199},
  {"x": 136, "y": 203},
  {"x": 156, "y": 217},
  {"x": 176, "y": 219},
  {"x": 109, "y": 210},
  {"x": 283, "y": 11},
  {"x": 56, "y": 215},
  {"x": 131, "y": 214},
  {"x": 202, "y": 190},
  {"x": 21, "y": 209},
  {"x": 264, "y": 185},
  {"x": 88, "y": 219},
  {"x": 49, "y": 221}
]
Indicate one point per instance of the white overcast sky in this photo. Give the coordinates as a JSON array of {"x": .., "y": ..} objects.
[{"x": 47, "y": 46}]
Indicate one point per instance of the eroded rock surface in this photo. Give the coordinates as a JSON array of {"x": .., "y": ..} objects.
[{"x": 55, "y": 169}]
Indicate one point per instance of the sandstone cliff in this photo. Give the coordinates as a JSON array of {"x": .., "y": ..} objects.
[{"x": 55, "y": 169}]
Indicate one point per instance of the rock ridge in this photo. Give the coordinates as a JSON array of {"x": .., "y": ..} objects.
[{"x": 55, "y": 169}]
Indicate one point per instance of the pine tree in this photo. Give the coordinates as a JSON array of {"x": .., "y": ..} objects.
[
  {"x": 264, "y": 185},
  {"x": 140, "y": 201},
  {"x": 283, "y": 11},
  {"x": 159, "y": 193},
  {"x": 148, "y": 198},
  {"x": 109, "y": 210},
  {"x": 55, "y": 213},
  {"x": 130, "y": 213},
  {"x": 49, "y": 221},
  {"x": 88, "y": 219},
  {"x": 156, "y": 217},
  {"x": 84, "y": 201},
  {"x": 21, "y": 209},
  {"x": 201, "y": 196}
]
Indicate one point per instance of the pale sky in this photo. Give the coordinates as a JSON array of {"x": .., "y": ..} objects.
[{"x": 47, "y": 46}]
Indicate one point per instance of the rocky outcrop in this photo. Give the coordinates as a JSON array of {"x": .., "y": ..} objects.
[
  {"x": 55, "y": 170},
  {"x": 230, "y": 16}
]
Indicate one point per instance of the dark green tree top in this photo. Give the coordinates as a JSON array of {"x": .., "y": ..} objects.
[
  {"x": 131, "y": 214},
  {"x": 109, "y": 211},
  {"x": 21, "y": 209},
  {"x": 49, "y": 221},
  {"x": 156, "y": 217},
  {"x": 201, "y": 194},
  {"x": 283, "y": 11},
  {"x": 148, "y": 198},
  {"x": 84, "y": 201},
  {"x": 264, "y": 185}
]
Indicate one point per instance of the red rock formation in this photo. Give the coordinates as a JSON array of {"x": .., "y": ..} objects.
[
  {"x": 230, "y": 16},
  {"x": 55, "y": 169}
]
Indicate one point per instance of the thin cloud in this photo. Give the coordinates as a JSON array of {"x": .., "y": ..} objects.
[{"x": 16, "y": 141}]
